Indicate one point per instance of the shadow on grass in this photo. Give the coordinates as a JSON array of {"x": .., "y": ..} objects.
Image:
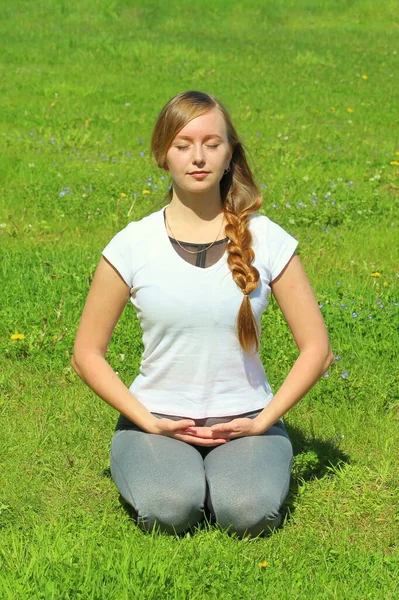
[{"x": 313, "y": 459}]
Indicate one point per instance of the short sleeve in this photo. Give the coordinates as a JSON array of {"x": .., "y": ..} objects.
[
  {"x": 119, "y": 253},
  {"x": 280, "y": 248}
]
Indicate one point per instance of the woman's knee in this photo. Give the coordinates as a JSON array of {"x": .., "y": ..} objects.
[
  {"x": 170, "y": 508},
  {"x": 245, "y": 514},
  {"x": 170, "y": 493},
  {"x": 170, "y": 513}
]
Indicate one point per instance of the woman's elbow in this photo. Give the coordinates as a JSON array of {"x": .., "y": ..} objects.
[
  {"x": 74, "y": 366},
  {"x": 328, "y": 360},
  {"x": 320, "y": 355}
]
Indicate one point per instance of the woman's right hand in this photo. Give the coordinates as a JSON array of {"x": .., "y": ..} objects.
[{"x": 175, "y": 429}]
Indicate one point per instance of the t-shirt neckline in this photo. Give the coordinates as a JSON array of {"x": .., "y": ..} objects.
[{"x": 177, "y": 258}]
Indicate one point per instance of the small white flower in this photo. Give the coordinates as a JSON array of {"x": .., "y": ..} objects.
[
  {"x": 31, "y": 164},
  {"x": 3, "y": 225}
]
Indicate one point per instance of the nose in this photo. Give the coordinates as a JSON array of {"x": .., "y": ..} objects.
[{"x": 198, "y": 154}]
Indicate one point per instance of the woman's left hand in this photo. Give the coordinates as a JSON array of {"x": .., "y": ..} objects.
[{"x": 231, "y": 430}]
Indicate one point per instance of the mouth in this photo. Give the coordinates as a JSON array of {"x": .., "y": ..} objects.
[{"x": 198, "y": 172}]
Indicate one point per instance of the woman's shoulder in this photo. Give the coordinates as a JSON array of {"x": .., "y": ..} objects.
[
  {"x": 263, "y": 224},
  {"x": 268, "y": 233},
  {"x": 138, "y": 228}
]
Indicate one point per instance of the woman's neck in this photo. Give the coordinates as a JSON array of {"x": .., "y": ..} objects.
[
  {"x": 196, "y": 226},
  {"x": 195, "y": 211}
]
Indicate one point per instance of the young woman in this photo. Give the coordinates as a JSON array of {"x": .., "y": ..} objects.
[{"x": 200, "y": 430}]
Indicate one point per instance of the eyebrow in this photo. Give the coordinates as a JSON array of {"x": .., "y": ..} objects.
[{"x": 211, "y": 135}]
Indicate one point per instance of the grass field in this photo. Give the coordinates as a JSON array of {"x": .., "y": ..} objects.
[{"x": 313, "y": 90}]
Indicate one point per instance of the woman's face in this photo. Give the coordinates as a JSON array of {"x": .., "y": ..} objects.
[{"x": 200, "y": 153}]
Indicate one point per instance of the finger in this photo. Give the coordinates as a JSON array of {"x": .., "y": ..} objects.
[
  {"x": 204, "y": 434},
  {"x": 211, "y": 439},
  {"x": 184, "y": 423},
  {"x": 201, "y": 441},
  {"x": 222, "y": 427}
]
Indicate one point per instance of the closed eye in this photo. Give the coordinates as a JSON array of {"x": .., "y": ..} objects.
[{"x": 212, "y": 146}]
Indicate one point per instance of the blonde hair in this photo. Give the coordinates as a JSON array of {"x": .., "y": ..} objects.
[{"x": 239, "y": 193}]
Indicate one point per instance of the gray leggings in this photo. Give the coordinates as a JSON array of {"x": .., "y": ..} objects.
[{"x": 170, "y": 483}]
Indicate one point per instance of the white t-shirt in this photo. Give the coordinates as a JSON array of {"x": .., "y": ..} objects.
[{"x": 192, "y": 364}]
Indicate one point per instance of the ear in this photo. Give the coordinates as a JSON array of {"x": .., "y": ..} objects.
[{"x": 230, "y": 156}]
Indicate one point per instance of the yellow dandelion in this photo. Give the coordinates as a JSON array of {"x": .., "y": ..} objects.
[
  {"x": 263, "y": 564},
  {"x": 376, "y": 274},
  {"x": 397, "y": 153},
  {"x": 350, "y": 110},
  {"x": 123, "y": 195},
  {"x": 385, "y": 284},
  {"x": 394, "y": 162},
  {"x": 146, "y": 192},
  {"x": 17, "y": 336},
  {"x": 332, "y": 107},
  {"x": 364, "y": 77}
]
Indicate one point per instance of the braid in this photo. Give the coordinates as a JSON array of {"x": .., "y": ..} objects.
[{"x": 246, "y": 276}]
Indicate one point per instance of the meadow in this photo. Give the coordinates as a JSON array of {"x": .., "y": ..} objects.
[{"x": 312, "y": 88}]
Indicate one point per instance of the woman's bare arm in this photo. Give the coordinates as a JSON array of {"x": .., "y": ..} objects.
[
  {"x": 299, "y": 306},
  {"x": 105, "y": 302}
]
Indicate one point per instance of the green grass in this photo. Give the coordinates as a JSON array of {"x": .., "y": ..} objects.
[{"x": 312, "y": 89}]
